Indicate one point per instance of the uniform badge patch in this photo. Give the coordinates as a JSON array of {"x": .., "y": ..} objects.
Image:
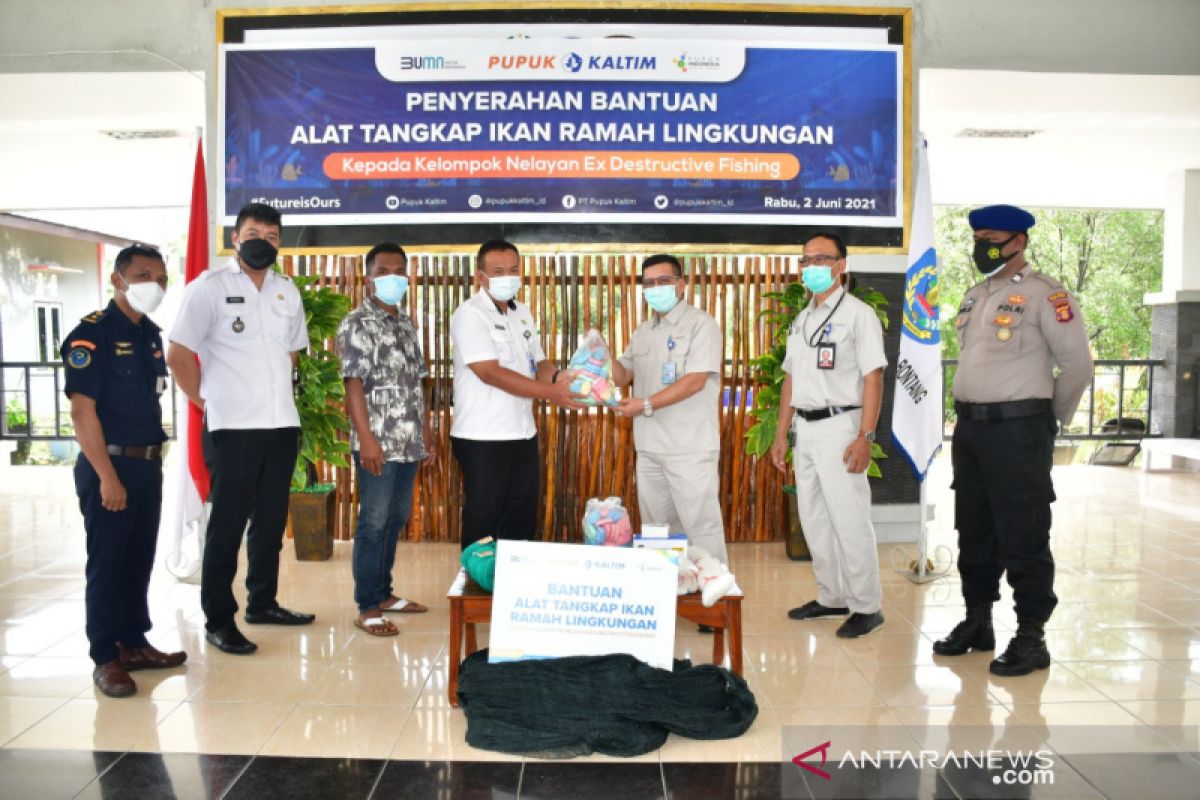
[
  {"x": 1016, "y": 299},
  {"x": 83, "y": 343},
  {"x": 1004, "y": 334},
  {"x": 1003, "y": 319},
  {"x": 79, "y": 358},
  {"x": 1062, "y": 306},
  {"x": 238, "y": 326}
]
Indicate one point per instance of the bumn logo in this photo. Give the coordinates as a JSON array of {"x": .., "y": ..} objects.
[{"x": 573, "y": 62}]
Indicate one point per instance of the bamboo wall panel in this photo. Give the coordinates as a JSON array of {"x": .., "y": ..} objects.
[{"x": 585, "y": 453}]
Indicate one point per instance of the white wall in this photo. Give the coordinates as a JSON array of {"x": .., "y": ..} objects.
[{"x": 21, "y": 288}]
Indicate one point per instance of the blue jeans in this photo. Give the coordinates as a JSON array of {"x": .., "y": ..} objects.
[{"x": 384, "y": 504}]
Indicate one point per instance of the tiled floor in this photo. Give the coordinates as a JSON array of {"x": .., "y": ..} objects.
[{"x": 1125, "y": 639}]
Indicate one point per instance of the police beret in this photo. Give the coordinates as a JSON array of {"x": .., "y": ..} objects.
[{"x": 1001, "y": 218}]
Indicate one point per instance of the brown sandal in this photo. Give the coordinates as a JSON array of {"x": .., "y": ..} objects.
[
  {"x": 401, "y": 606},
  {"x": 376, "y": 626}
]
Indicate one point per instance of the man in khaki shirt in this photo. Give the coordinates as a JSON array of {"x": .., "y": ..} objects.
[
  {"x": 1014, "y": 328},
  {"x": 832, "y": 396},
  {"x": 674, "y": 363}
]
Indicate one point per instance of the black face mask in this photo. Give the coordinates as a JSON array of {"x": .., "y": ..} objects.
[
  {"x": 987, "y": 254},
  {"x": 257, "y": 253}
]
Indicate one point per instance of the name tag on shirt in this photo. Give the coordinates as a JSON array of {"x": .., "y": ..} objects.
[
  {"x": 235, "y": 299},
  {"x": 826, "y": 355},
  {"x": 668, "y": 373}
]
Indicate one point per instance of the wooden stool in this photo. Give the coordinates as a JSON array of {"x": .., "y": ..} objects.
[{"x": 471, "y": 604}]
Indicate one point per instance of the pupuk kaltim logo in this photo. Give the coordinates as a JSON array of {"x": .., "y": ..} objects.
[{"x": 823, "y": 749}]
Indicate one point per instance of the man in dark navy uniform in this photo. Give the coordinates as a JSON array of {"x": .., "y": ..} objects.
[{"x": 115, "y": 373}]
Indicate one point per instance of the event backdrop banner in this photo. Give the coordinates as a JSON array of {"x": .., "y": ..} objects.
[
  {"x": 564, "y": 130},
  {"x": 555, "y": 600}
]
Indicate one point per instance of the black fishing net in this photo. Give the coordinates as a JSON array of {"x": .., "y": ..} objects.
[{"x": 613, "y": 704}]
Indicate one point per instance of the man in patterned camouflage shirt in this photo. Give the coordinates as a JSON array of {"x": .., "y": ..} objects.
[{"x": 390, "y": 432}]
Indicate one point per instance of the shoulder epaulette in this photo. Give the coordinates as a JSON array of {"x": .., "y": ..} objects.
[
  {"x": 94, "y": 317},
  {"x": 1053, "y": 283}
]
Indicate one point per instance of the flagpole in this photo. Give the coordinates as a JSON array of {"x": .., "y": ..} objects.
[{"x": 922, "y": 541}]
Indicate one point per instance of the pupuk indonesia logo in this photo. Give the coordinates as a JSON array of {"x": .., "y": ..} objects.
[{"x": 573, "y": 62}]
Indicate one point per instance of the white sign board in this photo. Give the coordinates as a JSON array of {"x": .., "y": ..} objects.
[{"x": 555, "y": 600}]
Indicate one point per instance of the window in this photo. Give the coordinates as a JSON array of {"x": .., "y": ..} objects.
[{"x": 49, "y": 330}]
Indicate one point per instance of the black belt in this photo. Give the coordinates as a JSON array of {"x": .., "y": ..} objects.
[
  {"x": 817, "y": 414},
  {"x": 148, "y": 452},
  {"x": 990, "y": 412}
]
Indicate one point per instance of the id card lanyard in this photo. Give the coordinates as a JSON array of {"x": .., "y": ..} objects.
[
  {"x": 826, "y": 350},
  {"x": 668, "y": 367}
]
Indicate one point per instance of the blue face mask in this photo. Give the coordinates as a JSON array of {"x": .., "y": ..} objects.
[
  {"x": 661, "y": 298},
  {"x": 817, "y": 279},
  {"x": 390, "y": 289}
]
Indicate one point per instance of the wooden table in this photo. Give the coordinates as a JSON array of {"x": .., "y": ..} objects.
[{"x": 470, "y": 604}]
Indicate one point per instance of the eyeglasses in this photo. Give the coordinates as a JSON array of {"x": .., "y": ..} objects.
[
  {"x": 650, "y": 283},
  {"x": 819, "y": 261}
]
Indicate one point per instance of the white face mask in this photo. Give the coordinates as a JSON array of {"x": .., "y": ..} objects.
[
  {"x": 503, "y": 288},
  {"x": 145, "y": 298}
]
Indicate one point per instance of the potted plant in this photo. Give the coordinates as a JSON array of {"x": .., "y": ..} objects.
[
  {"x": 769, "y": 374},
  {"x": 320, "y": 396}
]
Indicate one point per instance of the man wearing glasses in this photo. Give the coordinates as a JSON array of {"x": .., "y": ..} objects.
[
  {"x": 246, "y": 323},
  {"x": 674, "y": 363},
  {"x": 831, "y": 397},
  {"x": 1014, "y": 328}
]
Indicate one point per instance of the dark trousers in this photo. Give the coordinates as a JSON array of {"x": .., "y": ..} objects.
[
  {"x": 1002, "y": 497},
  {"x": 251, "y": 478},
  {"x": 120, "y": 554},
  {"x": 501, "y": 487}
]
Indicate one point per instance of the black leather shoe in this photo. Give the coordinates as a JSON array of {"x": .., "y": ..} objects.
[
  {"x": 279, "y": 616},
  {"x": 973, "y": 633},
  {"x": 860, "y": 625},
  {"x": 1026, "y": 652},
  {"x": 813, "y": 610},
  {"x": 230, "y": 640}
]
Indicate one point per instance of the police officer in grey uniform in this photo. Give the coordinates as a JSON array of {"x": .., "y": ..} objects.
[
  {"x": 1014, "y": 329},
  {"x": 674, "y": 363},
  {"x": 832, "y": 395}
]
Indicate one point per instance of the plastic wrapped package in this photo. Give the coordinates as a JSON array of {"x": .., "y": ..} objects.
[
  {"x": 593, "y": 359},
  {"x": 606, "y": 522}
]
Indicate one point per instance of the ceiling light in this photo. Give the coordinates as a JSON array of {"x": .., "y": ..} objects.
[
  {"x": 995, "y": 133},
  {"x": 160, "y": 133}
]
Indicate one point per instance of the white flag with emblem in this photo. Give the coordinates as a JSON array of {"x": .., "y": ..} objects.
[{"x": 917, "y": 407}]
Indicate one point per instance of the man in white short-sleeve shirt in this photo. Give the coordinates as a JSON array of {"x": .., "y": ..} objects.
[
  {"x": 499, "y": 370},
  {"x": 245, "y": 322},
  {"x": 673, "y": 362},
  {"x": 834, "y": 389}
]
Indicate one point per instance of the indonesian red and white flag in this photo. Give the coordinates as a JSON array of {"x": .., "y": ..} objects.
[{"x": 191, "y": 474}]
